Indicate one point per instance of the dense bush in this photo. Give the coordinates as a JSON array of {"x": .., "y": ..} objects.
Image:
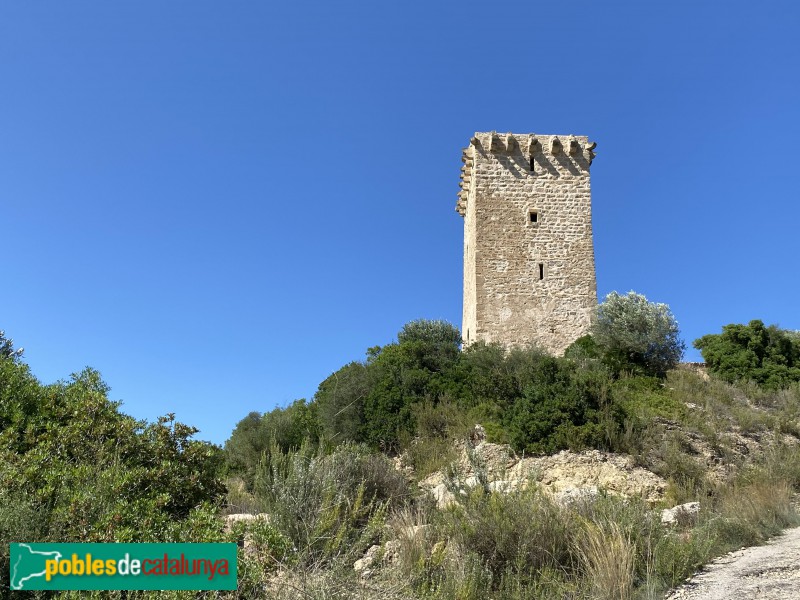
[
  {"x": 340, "y": 403},
  {"x": 330, "y": 506},
  {"x": 414, "y": 369},
  {"x": 286, "y": 427},
  {"x": 73, "y": 468},
  {"x": 638, "y": 335},
  {"x": 520, "y": 533},
  {"x": 560, "y": 407},
  {"x": 424, "y": 389},
  {"x": 770, "y": 356}
]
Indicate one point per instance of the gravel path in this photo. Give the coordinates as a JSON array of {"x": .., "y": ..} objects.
[{"x": 769, "y": 572}]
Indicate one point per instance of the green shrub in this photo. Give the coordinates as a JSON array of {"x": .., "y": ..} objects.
[
  {"x": 522, "y": 532},
  {"x": 415, "y": 369},
  {"x": 331, "y": 507},
  {"x": 637, "y": 335},
  {"x": 439, "y": 427},
  {"x": 488, "y": 373},
  {"x": 340, "y": 401},
  {"x": 647, "y": 398},
  {"x": 287, "y": 427},
  {"x": 560, "y": 407},
  {"x": 679, "y": 554},
  {"x": 73, "y": 468},
  {"x": 439, "y": 340},
  {"x": 423, "y": 388},
  {"x": 428, "y": 455},
  {"x": 769, "y": 356},
  {"x": 584, "y": 350}
]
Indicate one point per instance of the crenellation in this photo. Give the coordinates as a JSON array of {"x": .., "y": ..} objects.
[{"x": 528, "y": 252}]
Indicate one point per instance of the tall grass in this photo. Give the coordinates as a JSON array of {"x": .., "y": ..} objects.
[
  {"x": 609, "y": 559},
  {"x": 331, "y": 507}
]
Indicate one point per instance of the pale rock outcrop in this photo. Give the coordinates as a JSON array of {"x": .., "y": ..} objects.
[
  {"x": 362, "y": 565},
  {"x": 683, "y": 513},
  {"x": 566, "y": 475},
  {"x": 388, "y": 553},
  {"x": 231, "y": 520}
]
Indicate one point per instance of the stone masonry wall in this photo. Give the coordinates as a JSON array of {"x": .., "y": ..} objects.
[{"x": 528, "y": 254}]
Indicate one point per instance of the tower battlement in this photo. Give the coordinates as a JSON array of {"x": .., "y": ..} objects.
[{"x": 528, "y": 254}]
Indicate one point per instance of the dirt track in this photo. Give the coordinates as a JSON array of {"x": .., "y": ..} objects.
[{"x": 769, "y": 572}]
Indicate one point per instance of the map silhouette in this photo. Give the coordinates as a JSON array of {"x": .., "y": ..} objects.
[{"x": 29, "y": 564}]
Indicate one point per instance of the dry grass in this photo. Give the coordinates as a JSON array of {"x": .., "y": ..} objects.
[
  {"x": 609, "y": 559},
  {"x": 428, "y": 455},
  {"x": 409, "y": 527},
  {"x": 765, "y": 506},
  {"x": 239, "y": 500}
]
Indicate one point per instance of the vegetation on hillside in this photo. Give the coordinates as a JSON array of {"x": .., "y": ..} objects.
[
  {"x": 769, "y": 356},
  {"x": 616, "y": 390},
  {"x": 424, "y": 387},
  {"x": 337, "y": 475},
  {"x": 524, "y": 544},
  {"x": 73, "y": 468}
]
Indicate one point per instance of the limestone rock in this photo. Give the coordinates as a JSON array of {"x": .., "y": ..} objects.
[
  {"x": 478, "y": 435},
  {"x": 566, "y": 475},
  {"x": 391, "y": 551},
  {"x": 363, "y": 564},
  {"x": 231, "y": 520},
  {"x": 682, "y": 513},
  {"x": 614, "y": 473}
]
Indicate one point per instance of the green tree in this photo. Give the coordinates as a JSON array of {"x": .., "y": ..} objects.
[
  {"x": 417, "y": 368},
  {"x": 244, "y": 448},
  {"x": 340, "y": 402},
  {"x": 438, "y": 341},
  {"x": 559, "y": 405},
  {"x": 7, "y": 350},
  {"x": 287, "y": 428},
  {"x": 770, "y": 356},
  {"x": 73, "y": 468},
  {"x": 635, "y": 334}
]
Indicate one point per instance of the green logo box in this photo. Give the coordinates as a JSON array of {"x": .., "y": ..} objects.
[{"x": 123, "y": 566}]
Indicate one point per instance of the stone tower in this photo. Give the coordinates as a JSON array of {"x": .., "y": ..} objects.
[{"x": 528, "y": 253}]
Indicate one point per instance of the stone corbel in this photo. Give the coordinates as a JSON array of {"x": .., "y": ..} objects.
[
  {"x": 534, "y": 145},
  {"x": 590, "y": 151},
  {"x": 511, "y": 142},
  {"x": 573, "y": 146},
  {"x": 495, "y": 143}
]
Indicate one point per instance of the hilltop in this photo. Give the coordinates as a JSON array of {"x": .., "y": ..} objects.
[
  {"x": 605, "y": 473},
  {"x": 610, "y": 472}
]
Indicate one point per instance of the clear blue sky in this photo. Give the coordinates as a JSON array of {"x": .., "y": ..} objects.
[{"x": 217, "y": 204}]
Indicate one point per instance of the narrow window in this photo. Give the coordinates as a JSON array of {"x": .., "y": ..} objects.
[
  {"x": 541, "y": 271},
  {"x": 533, "y": 216},
  {"x": 467, "y": 334},
  {"x": 533, "y": 165}
]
